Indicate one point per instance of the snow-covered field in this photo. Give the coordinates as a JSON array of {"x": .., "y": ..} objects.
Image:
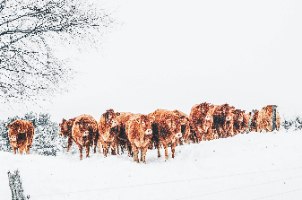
[{"x": 246, "y": 167}]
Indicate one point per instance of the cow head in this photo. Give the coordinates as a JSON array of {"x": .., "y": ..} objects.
[
  {"x": 238, "y": 115},
  {"x": 174, "y": 126},
  {"x": 13, "y": 138},
  {"x": 65, "y": 127},
  {"x": 141, "y": 128}
]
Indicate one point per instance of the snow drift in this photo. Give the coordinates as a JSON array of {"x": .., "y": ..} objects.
[{"x": 248, "y": 166}]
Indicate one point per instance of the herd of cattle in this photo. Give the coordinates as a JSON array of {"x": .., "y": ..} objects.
[{"x": 117, "y": 132}]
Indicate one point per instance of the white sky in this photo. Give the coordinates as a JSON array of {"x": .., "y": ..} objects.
[{"x": 175, "y": 53}]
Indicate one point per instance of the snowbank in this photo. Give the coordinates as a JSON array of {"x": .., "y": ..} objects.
[{"x": 249, "y": 166}]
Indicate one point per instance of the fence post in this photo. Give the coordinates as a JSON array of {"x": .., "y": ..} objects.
[
  {"x": 274, "y": 117},
  {"x": 15, "y": 185}
]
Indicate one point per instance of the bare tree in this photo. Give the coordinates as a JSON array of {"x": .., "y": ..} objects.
[{"x": 28, "y": 66}]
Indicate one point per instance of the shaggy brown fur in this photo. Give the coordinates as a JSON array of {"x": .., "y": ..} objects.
[
  {"x": 255, "y": 122},
  {"x": 66, "y": 131},
  {"x": 122, "y": 139},
  {"x": 139, "y": 133},
  {"x": 21, "y": 134},
  {"x": 239, "y": 121},
  {"x": 166, "y": 130},
  {"x": 223, "y": 120},
  {"x": 201, "y": 121},
  {"x": 266, "y": 119},
  {"x": 85, "y": 133},
  {"x": 185, "y": 126}
]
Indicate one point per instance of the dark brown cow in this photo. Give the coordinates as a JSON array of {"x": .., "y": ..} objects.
[
  {"x": 185, "y": 126},
  {"x": 139, "y": 133},
  {"x": 66, "y": 131},
  {"x": 122, "y": 138},
  {"x": 85, "y": 133},
  {"x": 166, "y": 130},
  {"x": 240, "y": 123},
  {"x": 223, "y": 120},
  {"x": 20, "y": 134},
  {"x": 201, "y": 121}
]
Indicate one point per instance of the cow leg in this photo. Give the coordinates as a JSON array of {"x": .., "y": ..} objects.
[
  {"x": 173, "y": 146},
  {"x": 166, "y": 153},
  {"x": 15, "y": 150},
  {"x": 105, "y": 149},
  {"x": 113, "y": 150},
  {"x": 130, "y": 153},
  {"x": 117, "y": 149},
  {"x": 87, "y": 150},
  {"x": 100, "y": 146},
  {"x": 143, "y": 154},
  {"x": 158, "y": 150},
  {"x": 69, "y": 143},
  {"x": 95, "y": 142},
  {"x": 135, "y": 153},
  {"x": 27, "y": 149},
  {"x": 81, "y": 152}
]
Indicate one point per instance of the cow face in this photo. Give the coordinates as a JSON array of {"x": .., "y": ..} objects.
[
  {"x": 229, "y": 116},
  {"x": 13, "y": 138},
  {"x": 16, "y": 127},
  {"x": 174, "y": 126},
  {"x": 65, "y": 128},
  {"x": 146, "y": 125}
]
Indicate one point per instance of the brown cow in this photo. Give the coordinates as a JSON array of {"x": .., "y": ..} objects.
[
  {"x": 266, "y": 119},
  {"x": 185, "y": 126},
  {"x": 112, "y": 131},
  {"x": 166, "y": 130},
  {"x": 66, "y": 131},
  {"x": 85, "y": 133},
  {"x": 122, "y": 138},
  {"x": 255, "y": 121},
  {"x": 201, "y": 121},
  {"x": 139, "y": 133},
  {"x": 241, "y": 120},
  {"x": 223, "y": 120},
  {"x": 246, "y": 121},
  {"x": 20, "y": 134}
]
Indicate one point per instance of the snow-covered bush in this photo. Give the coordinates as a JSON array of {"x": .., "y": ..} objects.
[
  {"x": 292, "y": 124},
  {"x": 46, "y": 138}
]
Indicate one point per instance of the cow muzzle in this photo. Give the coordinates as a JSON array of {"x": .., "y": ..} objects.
[
  {"x": 228, "y": 118},
  {"x": 178, "y": 135},
  {"x": 13, "y": 139},
  {"x": 86, "y": 134},
  {"x": 148, "y": 132}
]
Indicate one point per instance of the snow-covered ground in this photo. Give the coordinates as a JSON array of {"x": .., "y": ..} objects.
[{"x": 250, "y": 167}]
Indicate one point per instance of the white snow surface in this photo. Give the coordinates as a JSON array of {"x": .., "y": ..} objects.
[{"x": 248, "y": 166}]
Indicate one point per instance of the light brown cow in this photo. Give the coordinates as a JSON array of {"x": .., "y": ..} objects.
[
  {"x": 66, "y": 131},
  {"x": 185, "y": 126},
  {"x": 201, "y": 121},
  {"x": 166, "y": 130},
  {"x": 241, "y": 121},
  {"x": 20, "y": 134},
  {"x": 266, "y": 119},
  {"x": 112, "y": 132},
  {"x": 255, "y": 121},
  {"x": 85, "y": 133},
  {"x": 139, "y": 133}
]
